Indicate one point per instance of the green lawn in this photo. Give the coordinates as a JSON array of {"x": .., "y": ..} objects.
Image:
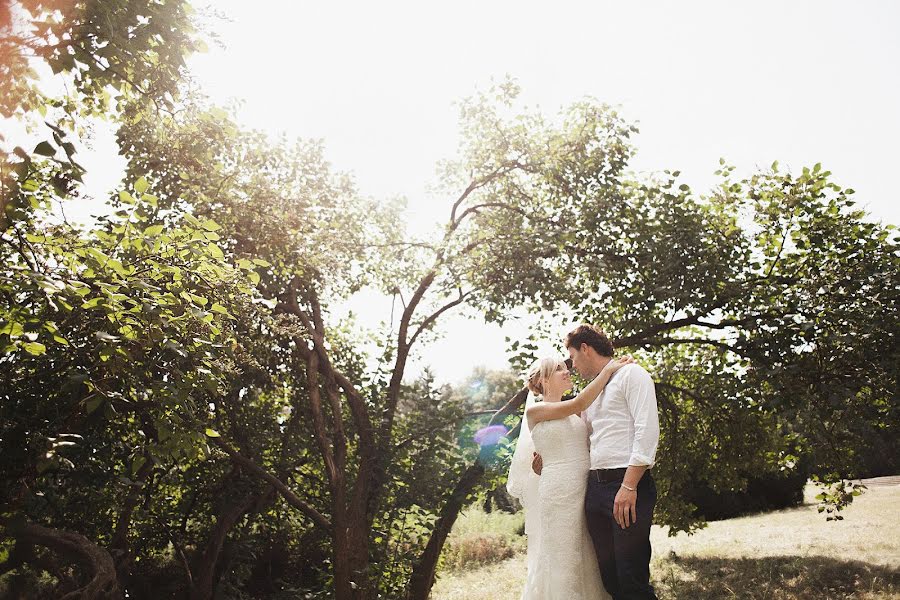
[{"x": 791, "y": 554}]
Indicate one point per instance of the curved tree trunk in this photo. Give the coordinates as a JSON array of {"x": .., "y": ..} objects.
[
  {"x": 205, "y": 569},
  {"x": 75, "y": 547},
  {"x": 422, "y": 578}
]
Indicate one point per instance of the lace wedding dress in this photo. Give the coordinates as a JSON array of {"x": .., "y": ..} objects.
[{"x": 561, "y": 560}]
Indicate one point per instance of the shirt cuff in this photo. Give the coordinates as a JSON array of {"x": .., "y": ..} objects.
[{"x": 640, "y": 460}]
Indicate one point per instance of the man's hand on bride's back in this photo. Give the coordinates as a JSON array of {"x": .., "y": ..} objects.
[{"x": 537, "y": 463}]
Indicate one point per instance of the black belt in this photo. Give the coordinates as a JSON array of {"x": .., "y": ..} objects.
[{"x": 608, "y": 475}]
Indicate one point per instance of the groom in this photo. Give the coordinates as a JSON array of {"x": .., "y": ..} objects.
[{"x": 623, "y": 425}]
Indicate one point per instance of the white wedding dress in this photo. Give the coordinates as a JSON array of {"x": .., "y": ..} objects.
[{"x": 561, "y": 560}]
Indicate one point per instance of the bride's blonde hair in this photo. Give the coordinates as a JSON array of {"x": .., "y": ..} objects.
[{"x": 540, "y": 371}]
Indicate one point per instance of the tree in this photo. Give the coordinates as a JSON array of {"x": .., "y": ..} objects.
[
  {"x": 234, "y": 409},
  {"x": 354, "y": 418}
]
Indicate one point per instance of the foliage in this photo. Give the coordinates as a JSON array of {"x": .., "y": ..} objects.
[
  {"x": 179, "y": 391},
  {"x": 756, "y": 307}
]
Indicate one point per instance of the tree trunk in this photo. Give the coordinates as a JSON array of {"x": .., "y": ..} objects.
[
  {"x": 422, "y": 578},
  {"x": 74, "y": 546},
  {"x": 350, "y": 536},
  {"x": 118, "y": 546},
  {"x": 205, "y": 570}
]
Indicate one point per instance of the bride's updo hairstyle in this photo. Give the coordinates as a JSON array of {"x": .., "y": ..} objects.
[{"x": 539, "y": 372}]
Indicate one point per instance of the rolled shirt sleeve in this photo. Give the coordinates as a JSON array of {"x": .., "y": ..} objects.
[{"x": 640, "y": 396}]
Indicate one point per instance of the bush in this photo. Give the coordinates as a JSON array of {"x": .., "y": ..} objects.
[
  {"x": 768, "y": 492},
  {"x": 481, "y": 538},
  {"x": 473, "y": 551}
]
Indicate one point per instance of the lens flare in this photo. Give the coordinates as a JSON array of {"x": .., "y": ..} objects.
[{"x": 489, "y": 436}]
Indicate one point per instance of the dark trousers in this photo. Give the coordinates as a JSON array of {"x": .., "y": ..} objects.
[{"x": 623, "y": 554}]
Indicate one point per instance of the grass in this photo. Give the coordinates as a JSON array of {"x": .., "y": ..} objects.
[
  {"x": 479, "y": 539},
  {"x": 791, "y": 554}
]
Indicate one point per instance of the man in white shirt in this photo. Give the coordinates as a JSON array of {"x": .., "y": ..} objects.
[{"x": 623, "y": 424}]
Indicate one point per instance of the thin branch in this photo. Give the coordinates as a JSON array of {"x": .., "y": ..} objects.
[
  {"x": 479, "y": 183},
  {"x": 434, "y": 316},
  {"x": 666, "y": 341},
  {"x": 318, "y": 418},
  {"x": 291, "y": 498},
  {"x": 477, "y": 207},
  {"x": 689, "y": 393}
]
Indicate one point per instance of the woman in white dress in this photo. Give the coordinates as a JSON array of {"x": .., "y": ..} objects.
[{"x": 562, "y": 564}]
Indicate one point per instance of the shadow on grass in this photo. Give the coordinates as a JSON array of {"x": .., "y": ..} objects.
[{"x": 774, "y": 578}]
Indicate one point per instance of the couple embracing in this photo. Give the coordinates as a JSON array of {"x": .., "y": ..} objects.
[{"x": 581, "y": 470}]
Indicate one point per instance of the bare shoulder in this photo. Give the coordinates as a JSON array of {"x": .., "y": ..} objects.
[
  {"x": 534, "y": 410},
  {"x": 533, "y": 415}
]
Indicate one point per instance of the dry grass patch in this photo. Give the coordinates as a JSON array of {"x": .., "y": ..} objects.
[
  {"x": 471, "y": 551},
  {"x": 496, "y": 582},
  {"x": 870, "y": 532},
  {"x": 480, "y": 539}
]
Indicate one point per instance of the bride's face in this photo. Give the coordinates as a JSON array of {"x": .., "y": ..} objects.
[{"x": 560, "y": 380}]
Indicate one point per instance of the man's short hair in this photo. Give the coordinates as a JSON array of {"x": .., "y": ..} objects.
[{"x": 593, "y": 337}]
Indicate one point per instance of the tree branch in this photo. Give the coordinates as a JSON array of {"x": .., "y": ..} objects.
[
  {"x": 434, "y": 316},
  {"x": 666, "y": 341},
  {"x": 98, "y": 562},
  {"x": 477, "y": 207},
  {"x": 285, "y": 491}
]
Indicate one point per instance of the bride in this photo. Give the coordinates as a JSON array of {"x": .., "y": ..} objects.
[{"x": 561, "y": 560}]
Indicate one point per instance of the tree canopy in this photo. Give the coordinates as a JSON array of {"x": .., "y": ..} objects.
[{"x": 185, "y": 414}]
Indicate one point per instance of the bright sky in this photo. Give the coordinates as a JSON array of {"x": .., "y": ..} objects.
[{"x": 801, "y": 82}]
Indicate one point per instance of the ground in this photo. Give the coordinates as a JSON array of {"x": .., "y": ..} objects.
[{"x": 791, "y": 554}]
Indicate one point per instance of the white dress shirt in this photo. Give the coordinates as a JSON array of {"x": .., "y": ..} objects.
[{"x": 623, "y": 421}]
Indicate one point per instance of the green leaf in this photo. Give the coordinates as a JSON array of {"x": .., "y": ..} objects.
[
  {"x": 126, "y": 198},
  {"x": 137, "y": 464},
  {"x": 153, "y": 230},
  {"x": 92, "y": 302},
  {"x": 93, "y": 404},
  {"x": 216, "y": 307},
  {"x": 215, "y": 251},
  {"x": 45, "y": 149},
  {"x": 141, "y": 185},
  {"x": 34, "y": 348},
  {"x": 262, "y": 263},
  {"x": 198, "y": 299},
  {"x": 12, "y": 329},
  {"x": 212, "y": 433}
]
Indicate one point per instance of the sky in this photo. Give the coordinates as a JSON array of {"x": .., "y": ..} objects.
[{"x": 800, "y": 82}]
